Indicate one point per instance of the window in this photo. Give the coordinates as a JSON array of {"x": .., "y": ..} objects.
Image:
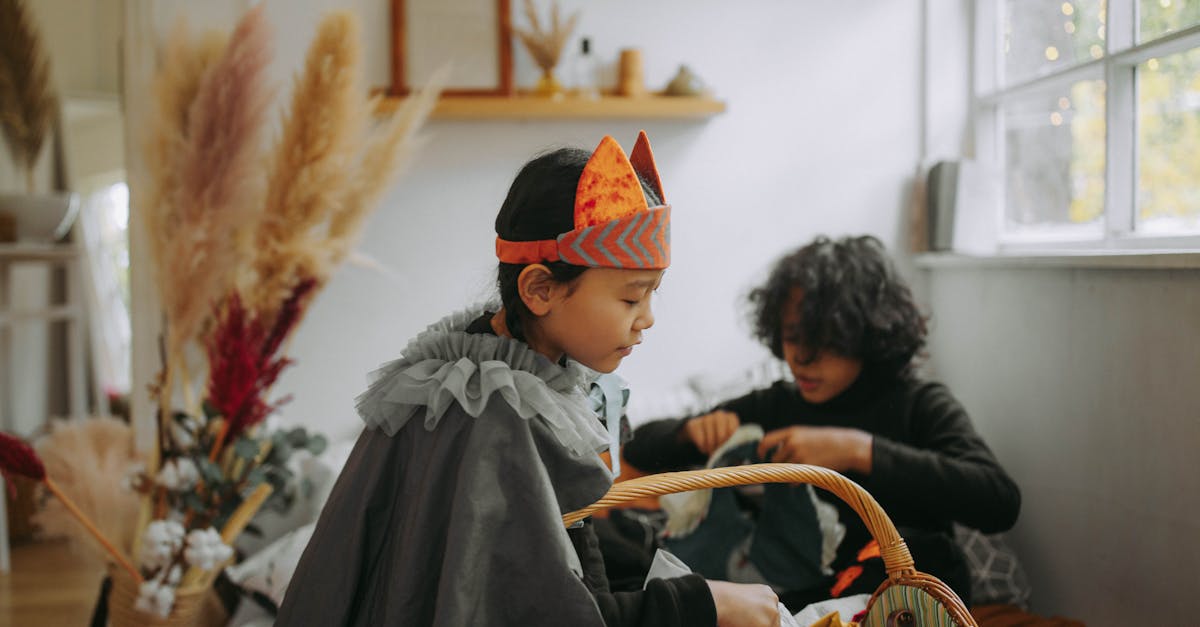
[
  {"x": 103, "y": 228},
  {"x": 1091, "y": 108}
]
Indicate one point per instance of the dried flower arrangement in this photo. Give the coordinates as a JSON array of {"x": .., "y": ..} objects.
[
  {"x": 545, "y": 45},
  {"x": 260, "y": 250},
  {"x": 91, "y": 461},
  {"x": 27, "y": 99},
  {"x": 239, "y": 258}
]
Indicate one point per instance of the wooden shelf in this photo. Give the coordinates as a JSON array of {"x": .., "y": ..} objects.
[
  {"x": 539, "y": 108},
  {"x": 24, "y": 251}
]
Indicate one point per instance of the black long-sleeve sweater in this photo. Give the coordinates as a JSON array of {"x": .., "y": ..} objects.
[
  {"x": 676, "y": 602},
  {"x": 929, "y": 467}
]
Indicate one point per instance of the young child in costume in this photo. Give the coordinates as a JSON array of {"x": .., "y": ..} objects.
[
  {"x": 846, "y": 325},
  {"x": 482, "y": 436}
]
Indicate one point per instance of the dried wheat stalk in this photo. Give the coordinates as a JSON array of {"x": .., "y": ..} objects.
[
  {"x": 546, "y": 45},
  {"x": 27, "y": 99}
]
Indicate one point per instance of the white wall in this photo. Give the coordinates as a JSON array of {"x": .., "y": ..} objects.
[
  {"x": 820, "y": 137},
  {"x": 80, "y": 36},
  {"x": 1084, "y": 383}
]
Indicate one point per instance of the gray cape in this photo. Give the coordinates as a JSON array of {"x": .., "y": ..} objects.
[{"x": 449, "y": 509}]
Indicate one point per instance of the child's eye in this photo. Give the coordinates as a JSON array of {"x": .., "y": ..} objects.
[{"x": 630, "y": 302}]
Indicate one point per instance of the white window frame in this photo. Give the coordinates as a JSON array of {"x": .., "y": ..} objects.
[{"x": 1118, "y": 68}]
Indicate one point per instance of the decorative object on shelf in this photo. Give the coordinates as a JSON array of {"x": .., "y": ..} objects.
[
  {"x": 686, "y": 83},
  {"x": 585, "y": 72},
  {"x": 28, "y": 103},
  {"x": 960, "y": 205},
  {"x": 474, "y": 36},
  {"x": 545, "y": 44},
  {"x": 631, "y": 81},
  {"x": 239, "y": 258},
  {"x": 941, "y": 187},
  {"x": 40, "y": 218}
]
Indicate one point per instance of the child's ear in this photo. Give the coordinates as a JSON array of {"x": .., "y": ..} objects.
[{"x": 537, "y": 288}]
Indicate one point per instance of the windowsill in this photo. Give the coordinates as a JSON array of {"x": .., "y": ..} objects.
[{"x": 1110, "y": 260}]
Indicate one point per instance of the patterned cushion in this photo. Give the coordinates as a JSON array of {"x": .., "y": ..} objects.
[
  {"x": 996, "y": 574},
  {"x": 927, "y": 610}
]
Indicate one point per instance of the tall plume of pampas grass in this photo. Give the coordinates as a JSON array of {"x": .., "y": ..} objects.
[
  {"x": 27, "y": 99},
  {"x": 184, "y": 60},
  {"x": 90, "y": 460},
  {"x": 388, "y": 149},
  {"x": 330, "y": 166},
  {"x": 311, "y": 162},
  {"x": 218, "y": 194}
]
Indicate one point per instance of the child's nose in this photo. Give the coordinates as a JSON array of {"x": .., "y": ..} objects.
[{"x": 644, "y": 321}]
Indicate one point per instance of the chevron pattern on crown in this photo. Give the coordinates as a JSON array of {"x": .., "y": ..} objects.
[{"x": 637, "y": 241}]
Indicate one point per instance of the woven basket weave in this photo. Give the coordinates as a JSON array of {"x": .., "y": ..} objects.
[
  {"x": 907, "y": 597},
  {"x": 189, "y": 601}
]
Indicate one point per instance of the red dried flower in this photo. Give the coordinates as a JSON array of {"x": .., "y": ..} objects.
[
  {"x": 17, "y": 457},
  {"x": 242, "y": 362}
]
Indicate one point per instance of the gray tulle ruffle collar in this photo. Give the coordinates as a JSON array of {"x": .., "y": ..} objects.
[{"x": 444, "y": 364}]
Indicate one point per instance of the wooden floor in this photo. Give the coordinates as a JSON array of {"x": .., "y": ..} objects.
[{"x": 48, "y": 587}]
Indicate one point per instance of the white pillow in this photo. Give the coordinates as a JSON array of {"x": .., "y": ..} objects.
[{"x": 270, "y": 570}]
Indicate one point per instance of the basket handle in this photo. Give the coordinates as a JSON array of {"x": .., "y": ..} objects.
[{"x": 895, "y": 554}]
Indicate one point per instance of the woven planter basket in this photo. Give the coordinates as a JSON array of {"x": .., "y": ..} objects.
[
  {"x": 906, "y": 598},
  {"x": 187, "y": 612}
]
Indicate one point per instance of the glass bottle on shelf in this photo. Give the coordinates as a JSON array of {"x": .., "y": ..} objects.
[{"x": 585, "y": 72}]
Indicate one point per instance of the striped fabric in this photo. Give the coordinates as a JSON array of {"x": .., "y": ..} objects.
[
  {"x": 927, "y": 611},
  {"x": 636, "y": 241}
]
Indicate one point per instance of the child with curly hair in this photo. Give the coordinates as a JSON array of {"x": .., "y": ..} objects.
[{"x": 846, "y": 325}]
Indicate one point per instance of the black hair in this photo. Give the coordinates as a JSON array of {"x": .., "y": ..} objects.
[
  {"x": 541, "y": 205},
  {"x": 854, "y": 304}
]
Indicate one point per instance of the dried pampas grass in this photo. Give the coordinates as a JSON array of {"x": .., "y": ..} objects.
[
  {"x": 329, "y": 166},
  {"x": 218, "y": 225},
  {"x": 311, "y": 162},
  {"x": 184, "y": 60},
  {"x": 220, "y": 228},
  {"x": 545, "y": 45},
  {"x": 388, "y": 149},
  {"x": 90, "y": 460},
  {"x": 217, "y": 195},
  {"x": 27, "y": 99}
]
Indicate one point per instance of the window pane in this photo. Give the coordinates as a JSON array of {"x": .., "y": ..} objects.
[
  {"x": 1041, "y": 36},
  {"x": 1168, "y": 194},
  {"x": 1159, "y": 17},
  {"x": 1054, "y": 144}
]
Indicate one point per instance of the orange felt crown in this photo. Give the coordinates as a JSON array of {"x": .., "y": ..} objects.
[{"x": 614, "y": 226}]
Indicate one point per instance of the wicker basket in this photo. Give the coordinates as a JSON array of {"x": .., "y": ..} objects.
[
  {"x": 907, "y": 597},
  {"x": 188, "y": 610},
  {"x": 196, "y": 602}
]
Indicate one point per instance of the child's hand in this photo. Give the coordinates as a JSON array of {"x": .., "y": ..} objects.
[
  {"x": 709, "y": 432},
  {"x": 744, "y": 605},
  {"x": 835, "y": 448}
]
